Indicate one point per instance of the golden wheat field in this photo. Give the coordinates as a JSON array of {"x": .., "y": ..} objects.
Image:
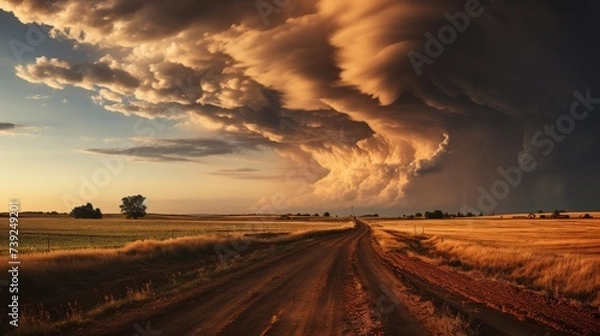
[{"x": 558, "y": 256}]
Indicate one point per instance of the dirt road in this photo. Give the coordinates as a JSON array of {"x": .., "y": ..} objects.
[{"x": 341, "y": 284}]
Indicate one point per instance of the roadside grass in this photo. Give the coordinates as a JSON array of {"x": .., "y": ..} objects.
[{"x": 558, "y": 257}]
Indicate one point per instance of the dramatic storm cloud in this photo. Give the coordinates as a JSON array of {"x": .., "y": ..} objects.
[{"x": 335, "y": 87}]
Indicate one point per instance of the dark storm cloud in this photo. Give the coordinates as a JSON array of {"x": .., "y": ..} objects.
[
  {"x": 287, "y": 126},
  {"x": 329, "y": 85},
  {"x": 139, "y": 21}
]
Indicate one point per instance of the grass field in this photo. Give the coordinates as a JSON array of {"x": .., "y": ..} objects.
[
  {"x": 560, "y": 257},
  {"x": 42, "y": 233}
]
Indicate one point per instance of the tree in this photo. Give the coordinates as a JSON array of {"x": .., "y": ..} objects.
[
  {"x": 86, "y": 211},
  {"x": 133, "y": 206},
  {"x": 418, "y": 215},
  {"x": 326, "y": 214}
]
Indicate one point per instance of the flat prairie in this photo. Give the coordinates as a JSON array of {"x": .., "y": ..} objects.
[{"x": 317, "y": 276}]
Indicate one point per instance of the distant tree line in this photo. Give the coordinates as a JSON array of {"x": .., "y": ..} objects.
[
  {"x": 306, "y": 214},
  {"x": 439, "y": 214}
]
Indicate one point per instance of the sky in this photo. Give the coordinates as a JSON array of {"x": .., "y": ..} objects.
[{"x": 276, "y": 106}]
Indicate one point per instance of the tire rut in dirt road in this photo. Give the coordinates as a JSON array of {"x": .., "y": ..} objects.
[
  {"x": 291, "y": 306},
  {"x": 384, "y": 289},
  {"x": 326, "y": 301}
]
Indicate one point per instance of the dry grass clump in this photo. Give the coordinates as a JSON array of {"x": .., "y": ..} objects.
[{"x": 446, "y": 323}]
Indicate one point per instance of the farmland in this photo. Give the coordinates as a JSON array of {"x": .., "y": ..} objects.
[{"x": 43, "y": 233}]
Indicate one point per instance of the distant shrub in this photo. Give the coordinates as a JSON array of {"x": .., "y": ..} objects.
[{"x": 86, "y": 211}]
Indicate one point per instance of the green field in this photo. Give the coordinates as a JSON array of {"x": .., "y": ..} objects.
[{"x": 39, "y": 233}]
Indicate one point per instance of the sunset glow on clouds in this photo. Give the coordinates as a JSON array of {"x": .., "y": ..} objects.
[{"x": 328, "y": 87}]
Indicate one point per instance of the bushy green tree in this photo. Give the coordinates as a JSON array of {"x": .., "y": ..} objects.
[{"x": 133, "y": 206}]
